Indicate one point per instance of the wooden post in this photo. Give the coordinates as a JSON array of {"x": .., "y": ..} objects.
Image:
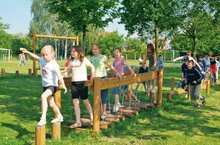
[
  {"x": 16, "y": 73},
  {"x": 3, "y": 72},
  {"x": 97, "y": 106},
  {"x": 29, "y": 72},
  {"x": 129, "y": 94},
  {"x": 189, "y": 97},
  {"x": 208, "y": 87},
  {"x": 56, "y": 131},
  {"x": 160, "y": 86},
  {"x": 34, "y": 51},
  {"x": 169, "y": 95},
  {"x": 40, "y": 135},
  {"x": 172, "y": 84},
  {"x": 57, "y": 97}
]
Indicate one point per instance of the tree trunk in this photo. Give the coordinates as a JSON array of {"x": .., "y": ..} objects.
[
  {"x": 156, "y": 39},
  {"x": 195, "y": 43},
  {"x": 84, "y": 37}
]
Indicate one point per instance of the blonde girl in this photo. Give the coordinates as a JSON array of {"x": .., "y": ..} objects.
[{"x": 50, "y": 76}]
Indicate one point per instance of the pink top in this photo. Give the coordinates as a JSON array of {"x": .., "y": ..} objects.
[{"x": 119, "y": 65}]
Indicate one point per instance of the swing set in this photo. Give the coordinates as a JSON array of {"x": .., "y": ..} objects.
[{"x": 61, "y": 44}]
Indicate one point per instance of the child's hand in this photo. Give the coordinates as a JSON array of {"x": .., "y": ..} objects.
[
  {"x": 23, "y": 50},
  {"x": 133, "y": 74},
  {"x": 194, "y": 82},
  {"x": 185, "y": 88},
  {"x": 65, "y": 89},
  {"x": 118, "y": 75}
]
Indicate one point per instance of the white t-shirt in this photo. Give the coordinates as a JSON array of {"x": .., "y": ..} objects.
[
  {"x": 79, "y": 71},
  {"x": 49, "y": 72}
]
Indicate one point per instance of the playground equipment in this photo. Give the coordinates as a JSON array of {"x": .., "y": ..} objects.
[
  {"x": 205, "y": 85},
  {"x": 100, "y": 84},
  {"x": 57, "y": 45}
]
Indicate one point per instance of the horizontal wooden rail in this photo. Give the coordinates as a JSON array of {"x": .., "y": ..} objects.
[
  {"x": 100, "y": 84},
  {"x": 56, "y": 37}
]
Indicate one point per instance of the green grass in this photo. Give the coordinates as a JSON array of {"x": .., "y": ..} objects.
[{"x": 175, "y": 123}]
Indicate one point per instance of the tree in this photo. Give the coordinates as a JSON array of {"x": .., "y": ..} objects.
[
  {"x": 46, "y": 23},
  {"x": 109, "y": 41},
  {"x": 200, "y": 28},
  {"x": 79, "y": 14},
  {"x": 147, "y": 16}
]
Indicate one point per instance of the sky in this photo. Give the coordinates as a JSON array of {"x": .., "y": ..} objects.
[{"x": 17, "y": 13}]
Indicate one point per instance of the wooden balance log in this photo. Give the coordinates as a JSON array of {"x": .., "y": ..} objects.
[
  {"x": 3, "y": 72},
  {"x": 56, "y": 131},
  {"x": 40, "y": 135},
  {"x": 17, "y": 73}
]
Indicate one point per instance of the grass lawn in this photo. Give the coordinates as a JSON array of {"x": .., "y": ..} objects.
[{"x": 175, "y": 123}]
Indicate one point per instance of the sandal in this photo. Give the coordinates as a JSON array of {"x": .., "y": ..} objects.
[{"x": 76, "y": 125}]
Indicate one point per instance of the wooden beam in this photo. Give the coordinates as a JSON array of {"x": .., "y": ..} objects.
[
  {"x": 56, "y": 37},
  {"x": 160, "y": 87}
]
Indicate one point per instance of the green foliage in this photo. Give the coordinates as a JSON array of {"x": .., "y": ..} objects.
[
  {"x": 46, "y": 23},
  {"x": 80, "y": 14},
  {"x": 143, "y": 16},
  {"x": 109, "y": 41},
  {"x": 138, "y": 45},
  {"x": 200, "y": 29}
]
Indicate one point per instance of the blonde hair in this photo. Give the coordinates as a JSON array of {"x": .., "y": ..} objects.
[{"x": 49, "y": 49}]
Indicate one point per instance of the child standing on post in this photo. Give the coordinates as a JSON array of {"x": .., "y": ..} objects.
[
  {"x": 152, "y": 57},
  {"x": 99, "y": 61},
  {"x": 77, "y": 66},
  {"x": 194, "y": 78},
  {"x": 50, "y": 76},
  {"x": 119, "y": 63}
]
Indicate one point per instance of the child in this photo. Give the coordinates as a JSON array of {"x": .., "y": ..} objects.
[
  {"x": 99, "y": 61},
  {"x": 152, "y": 57},
  {"x": 194, "y": 78},
  {"x": 50, "y": 76},
  {"x": 142, "y": 69},
  {"x": 22, "y": 59},
  {"x": 160, "y": 62},
  {"x": 213, "y": 68},
  {"x": 202, "y": 63},
  {"x": 119, "y": 63},
  {"x": 77, "y": 66}
]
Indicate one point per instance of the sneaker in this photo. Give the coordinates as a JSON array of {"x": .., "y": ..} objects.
[
  {"x": 152, "y": 91},
  {"x": 203, "y": 99},
  {"x": 103, "y": 116},
  {"x": 198, "y": 105},
  {"x": 186, "y": 96},
  {"x": 116, "y": 108},
  {"x": 41, "y": 122},
  {"x": 58, "y": 119}
]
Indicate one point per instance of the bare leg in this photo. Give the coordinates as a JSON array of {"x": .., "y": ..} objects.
[
  {"x": 44, "y": 104},
  {"x": 53, "y": 105},
  {"x": 77, "y": 110},
  {"x": 88, "y": 108}
]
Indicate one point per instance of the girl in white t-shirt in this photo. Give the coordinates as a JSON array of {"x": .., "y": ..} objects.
[
  {"x": 78, "y": 67},
  {"x": 50, "y": 76}
]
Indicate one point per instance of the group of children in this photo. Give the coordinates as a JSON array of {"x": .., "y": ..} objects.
[
  {"x": 77, "y": 65},
  {"x": 193, "y": 72}
]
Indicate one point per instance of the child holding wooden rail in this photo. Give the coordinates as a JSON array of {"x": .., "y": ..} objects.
[
  {"x": 78, "y": 67},
  {"x": 50, "y": 76}
]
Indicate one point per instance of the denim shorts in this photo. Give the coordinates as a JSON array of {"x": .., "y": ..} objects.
[
  {"x": 104, "y": 94},
  {"x": 116, "y": 90}
]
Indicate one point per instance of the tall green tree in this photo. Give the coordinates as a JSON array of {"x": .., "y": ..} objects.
[
  {"x": 46, "y": 23},
  {"x": 79, "y": 14},
  {"x": 200, "y": 27},
  {"x": 109, "y": 41},
  {"x": 147, "y": 16}
]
